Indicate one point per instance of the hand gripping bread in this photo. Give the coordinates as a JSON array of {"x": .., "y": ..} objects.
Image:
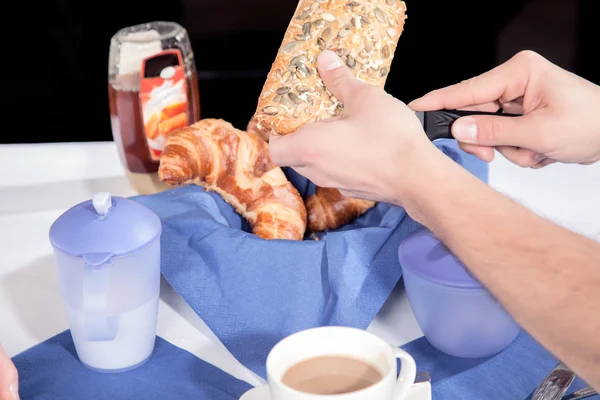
[
  {"x": 363, "y": 32},
  {"x": 235, "y": 164}
]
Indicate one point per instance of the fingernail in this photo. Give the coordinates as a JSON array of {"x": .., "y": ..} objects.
[
  {"x": 328, "y": 60},
  {"x": 14, "y": 392},
  {"x": 465, "y": 129}
]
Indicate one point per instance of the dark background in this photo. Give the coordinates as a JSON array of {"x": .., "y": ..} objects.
[{"x": 54, "y": 71}]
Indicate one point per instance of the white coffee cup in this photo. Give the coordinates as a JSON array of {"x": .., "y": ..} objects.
[{"x": 340, "y": 341}]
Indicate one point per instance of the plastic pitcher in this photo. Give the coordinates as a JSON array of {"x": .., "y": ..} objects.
[
  {"x": 107, "y": 253},
  {"x": 457, "y": 314}
]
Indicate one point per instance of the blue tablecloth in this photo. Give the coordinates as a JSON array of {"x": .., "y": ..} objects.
[
  {"x": 52, "y": 371},
  {"x": 513, "y": 374}
]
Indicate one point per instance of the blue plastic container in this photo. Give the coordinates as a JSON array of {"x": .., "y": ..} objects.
[{"x": 456, "y": 313}]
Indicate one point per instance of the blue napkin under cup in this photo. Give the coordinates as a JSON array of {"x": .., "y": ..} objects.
[{"x": 52, "y": 371}]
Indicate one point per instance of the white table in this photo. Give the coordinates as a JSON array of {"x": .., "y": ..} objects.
[{"x": 39, "y": 182}]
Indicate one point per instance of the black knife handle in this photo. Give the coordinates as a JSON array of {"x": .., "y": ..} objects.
[{"x": 438, "y": 124}]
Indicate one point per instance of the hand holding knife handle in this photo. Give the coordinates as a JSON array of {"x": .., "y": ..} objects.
[{"x": 438, "y": 124}]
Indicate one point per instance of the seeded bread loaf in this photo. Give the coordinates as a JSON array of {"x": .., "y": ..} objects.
[{"x": 363, "y": 32}]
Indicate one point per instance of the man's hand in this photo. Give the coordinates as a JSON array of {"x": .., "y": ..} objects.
[
  {"x": 9, "y": 381},
  {"x": 560, "y": 122},
  {"x": 368, "y": 151}
]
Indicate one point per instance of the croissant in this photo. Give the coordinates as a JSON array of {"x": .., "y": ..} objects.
[
  {"x": 328, "y": 209},
  {"x": 235, "y": 164}
]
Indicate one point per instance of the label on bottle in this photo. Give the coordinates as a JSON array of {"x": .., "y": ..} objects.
[{"x": 163, "y": 98}]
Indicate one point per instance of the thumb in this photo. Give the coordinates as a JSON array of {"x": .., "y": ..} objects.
[
  {"x": 487, "y": 130},
  {"x": 337, "y": 77}
]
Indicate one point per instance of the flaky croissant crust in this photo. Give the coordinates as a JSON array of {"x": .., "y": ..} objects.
[{"x": 235, "y": 164}]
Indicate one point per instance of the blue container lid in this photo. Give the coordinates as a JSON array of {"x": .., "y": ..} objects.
[
  {"x": 105, "y": 227},
  {"x": 426, "y": 256}
]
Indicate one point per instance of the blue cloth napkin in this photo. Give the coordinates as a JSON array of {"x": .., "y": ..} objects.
[
  {"x": 513, "y": 374},
  {"x": 52, "y": 371},
  {"x": 253, "y": 292}
]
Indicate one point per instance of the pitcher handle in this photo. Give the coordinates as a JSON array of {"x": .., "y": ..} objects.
[
  {"x": 98, "y": 325},
  {"x": 408, "y": 372}
]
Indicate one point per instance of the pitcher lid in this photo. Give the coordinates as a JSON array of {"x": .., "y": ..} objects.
[
  {"x": 105, "y": 225},
  {"x": 426, "y": 256}
]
